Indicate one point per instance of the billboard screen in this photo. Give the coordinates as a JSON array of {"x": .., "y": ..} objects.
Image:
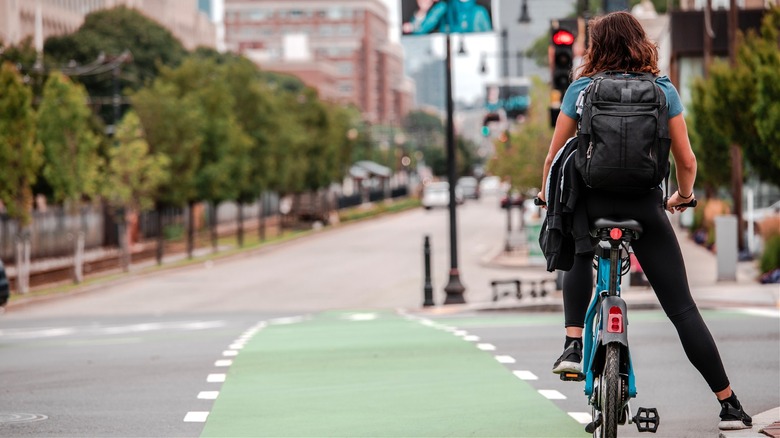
[
  {"x": 513, "y": 97},
  {"x": 422, "y": 17}
]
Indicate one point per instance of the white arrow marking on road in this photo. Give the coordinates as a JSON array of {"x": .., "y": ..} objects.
[
  {"x": 581, "y": 417},
  {"x": 215, "y": 378},
  {"x": 288, "y": 320},
  {"x": 505, "y": 359},
  {"x": 552, "y": 394},
  {"x": 196, "y": 417},
  {"x": 360, "y": 316},
  {"x": 525, "y": 375},
  {"x": 486, "y": 347},
  {"x": 208, "y": 395},
  {"x": 223, "y": 363}
]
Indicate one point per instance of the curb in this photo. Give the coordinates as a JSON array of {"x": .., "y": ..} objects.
[{"x": 764, "y": 424}]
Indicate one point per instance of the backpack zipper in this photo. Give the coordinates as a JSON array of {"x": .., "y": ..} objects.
[{"x": 589, "y": 153}]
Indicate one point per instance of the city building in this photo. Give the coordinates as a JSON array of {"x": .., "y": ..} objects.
[
  {"x": 58, "y": 17},
  {"x": 341, "y": 48}
]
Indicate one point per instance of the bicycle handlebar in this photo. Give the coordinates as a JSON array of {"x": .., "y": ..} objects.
[{"x": 692, "y": 203}]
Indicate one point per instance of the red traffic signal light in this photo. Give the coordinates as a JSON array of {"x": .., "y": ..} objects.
[{"x": 563, "y": 38}]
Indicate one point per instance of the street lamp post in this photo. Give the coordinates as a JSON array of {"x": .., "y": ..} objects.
[{"x": 454, "y": 287}]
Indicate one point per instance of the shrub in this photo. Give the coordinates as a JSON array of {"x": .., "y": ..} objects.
[{"x": 770, "y": 259}]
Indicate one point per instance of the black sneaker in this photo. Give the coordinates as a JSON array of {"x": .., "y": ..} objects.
[
  {"x": 733, "y": 418},
  {"x": 569, "y": 362}
]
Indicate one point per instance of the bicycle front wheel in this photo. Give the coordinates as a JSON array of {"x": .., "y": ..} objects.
[{"x": 612, "y": 396}]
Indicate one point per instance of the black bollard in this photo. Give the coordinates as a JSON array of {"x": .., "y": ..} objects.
[{"x": 428, "y": 288}]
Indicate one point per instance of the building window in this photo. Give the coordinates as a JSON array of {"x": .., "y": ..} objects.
[
  {"x": 326, "y": 30},
  {"x": 346, "y": 68},
  {"x": 346, "y": 88},
  {"x": 345, "y": 30}
]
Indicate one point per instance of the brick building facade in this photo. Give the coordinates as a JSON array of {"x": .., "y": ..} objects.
[
  {"x": 341, "y": 48},
  {"x": 58, "y": 17}
]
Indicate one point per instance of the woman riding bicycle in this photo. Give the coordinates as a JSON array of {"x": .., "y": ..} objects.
[{"x": 618, "y": 43}]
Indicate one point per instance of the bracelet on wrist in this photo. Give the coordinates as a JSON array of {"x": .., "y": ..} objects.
[{"x": 685, "y": 197}]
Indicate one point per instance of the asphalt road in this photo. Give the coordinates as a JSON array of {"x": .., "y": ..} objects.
[{"x": 140, "y": 357}]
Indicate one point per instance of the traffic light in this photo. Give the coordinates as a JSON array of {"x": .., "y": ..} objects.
[
  {"x": 563, "y": 36},
  {"x": 563, "y": 33}
]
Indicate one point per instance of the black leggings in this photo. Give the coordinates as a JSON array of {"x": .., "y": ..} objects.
[{"x": 658, "y": 252}]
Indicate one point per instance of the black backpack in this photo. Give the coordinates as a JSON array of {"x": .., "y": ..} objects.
[{"x": 623, "y": 133}]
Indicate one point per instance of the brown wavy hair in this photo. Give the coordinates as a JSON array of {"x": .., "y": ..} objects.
[{"x": 618, "y": 43}]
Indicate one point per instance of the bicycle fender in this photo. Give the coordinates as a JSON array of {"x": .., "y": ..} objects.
[{"x": 607, "y": 336}]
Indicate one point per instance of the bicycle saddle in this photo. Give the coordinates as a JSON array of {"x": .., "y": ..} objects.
[{"x": 628, "y": 224}]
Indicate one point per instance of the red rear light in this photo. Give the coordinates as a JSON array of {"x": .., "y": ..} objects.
[
  {"x": 615, "y": 320},
  {"x": 615, "y": 233}
]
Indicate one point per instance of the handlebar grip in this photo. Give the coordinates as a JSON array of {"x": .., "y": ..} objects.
[
  {"x": 538, "y": 202},
  {"x": 692, "y": 203}
]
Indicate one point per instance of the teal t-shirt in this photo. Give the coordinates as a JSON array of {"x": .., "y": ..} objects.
[{"x": 569, "y": 104}]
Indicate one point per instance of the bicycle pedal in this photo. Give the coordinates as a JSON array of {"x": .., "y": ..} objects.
[
  {"x": 647, "y": 419},
  {"x": 572, "y": 377}
]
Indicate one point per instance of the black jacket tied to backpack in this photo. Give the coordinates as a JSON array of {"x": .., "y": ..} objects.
[{"x": 564, "y": 231}]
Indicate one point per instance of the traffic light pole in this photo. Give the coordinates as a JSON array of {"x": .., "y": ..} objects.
[{"x": 454, "y": 287}]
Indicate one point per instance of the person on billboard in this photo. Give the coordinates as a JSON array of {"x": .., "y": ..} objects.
[
  {"x": 429, "y": 17},
  {"x": 468, "y": 16}
]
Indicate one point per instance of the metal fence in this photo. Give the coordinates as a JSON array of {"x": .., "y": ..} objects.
[{"x": 52, "y": 232}]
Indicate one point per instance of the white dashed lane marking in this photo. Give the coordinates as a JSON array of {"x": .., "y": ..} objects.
[
  {"x": 581, "y": 417},
  {"x": 215, "y": 378},
  {"x": 525, "y": 375},
  {"x": 229, "y": 353},
  {"x": 208, "y": 395},
  {"x": 505, "y": 359},
  {"x": 552, "y": 394},
  {"x": 486, "y": 347},
  {"x": 196, "y": 417},
  {"x": 223, "y": 363}
]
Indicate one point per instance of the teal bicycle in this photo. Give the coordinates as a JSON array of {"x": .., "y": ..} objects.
[{"x": 607, "y": 369}]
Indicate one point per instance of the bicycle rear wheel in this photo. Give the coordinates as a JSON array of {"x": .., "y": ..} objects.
[{"x": 612, "y": 395}]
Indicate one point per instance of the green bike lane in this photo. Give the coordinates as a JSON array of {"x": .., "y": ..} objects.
[{"x": 375, "y": 374}]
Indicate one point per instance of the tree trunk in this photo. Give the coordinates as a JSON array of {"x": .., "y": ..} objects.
[
  {"x": 190, "y": 228},
  {"x": 160, "y": 234},
  {"x": 213, "y": 226},
  {"x": 240, "y": 225},
  {"x": 78, "y": 257},
  {"x": 261, "y": 217},
  {"x": 22, "y": 263},
  {"x": 124, "y": 243}
]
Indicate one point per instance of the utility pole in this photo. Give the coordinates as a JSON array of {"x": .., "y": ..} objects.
[
  {"x": 708, "y": 36},
  {"x": 735, "y": 149},
  {"x": 454, "y": 288}
]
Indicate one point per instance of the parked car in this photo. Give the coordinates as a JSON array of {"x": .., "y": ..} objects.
[
  {"x": 437, "y": 194},
  {"x": 470, "y": 187},
  {"x": 490, "y": 185}
]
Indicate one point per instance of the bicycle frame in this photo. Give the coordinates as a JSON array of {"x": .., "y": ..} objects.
[{"x": 596, "y": 338}]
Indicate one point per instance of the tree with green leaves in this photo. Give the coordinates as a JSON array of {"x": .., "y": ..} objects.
[
  {"x": 767, "y": 104},
  {"x": 108, "y": 33},
  {"x": 224, "y": 158},
  {"x": 170, "y": 120},
  {"x": 520, "y": 159},
  {"x": 133, "y": 177},
  {"x": 255, "y": 111},
  {"x": 20, "y": 160},
  {"x": 711, "y": 148},
  {"x": 70, "y": 148}
]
